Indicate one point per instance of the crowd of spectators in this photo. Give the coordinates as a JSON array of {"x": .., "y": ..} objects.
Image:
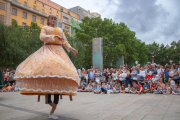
[
  {"x": 9, "y": 83},
  {"x": 150, "y": 78}
]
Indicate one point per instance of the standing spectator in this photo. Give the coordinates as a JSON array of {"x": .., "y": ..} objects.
[
  {"x": 97, "y": 76},
  {"x": 127, "y": 79},
  {"x": 142, "y": 73},
  {"x": 166, "y": 74},
  {"x": 145, "y": 68},
  {"x": 150, "y": 72},
  {"x": 92, "y": 74},
  {"x": 138, "y": 68},
  {"x": 114, "y": 75},
  {"x": 134, "y": 75},
  {"x": 159, "y": 70},
  {"x": 121, "y": 79},
  {"x": 153, "y": 63},
  {"x": 174, "y": 74},
  {"x": 11, "y": 80},
  {"x": 155, "y": 69},
  {"x": 179, "y": 74}
]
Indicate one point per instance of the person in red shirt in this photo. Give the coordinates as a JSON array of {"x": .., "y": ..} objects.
[{"x": 140, "y": 88}]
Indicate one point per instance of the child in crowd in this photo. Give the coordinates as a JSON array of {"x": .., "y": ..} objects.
[
  {"x": 168, "y": 88},
  {"x": 123, "y": 88},
  {"x": 94, "y": 86},
  {"x": 104, "y": 87},
  {"x": 112, "y": 83},
  {"x": 159, "y": 90},
  {"x": 82, "y": 82},
  {"x": 4, "y": 89},
  {"x": 79, "y": 88},
  {"x": 153, "y": 87},
  {"x": 13, "y": 87},
  {"x": 9, "y": 87},
  {"x": 108, "y": 86},
  {"x": 134, "y": 88},
  {"x": 146, "y": 87},
  {"x": 140, "y": 88},
  {"x": 89, "y": 88},
  {"x": 172, "y": 83},
  {"x": 117, "y": 85},
  {"x": 176, "y": 89},
  {"x": 127, "y": 90},
  {"x": 98, "y": 89},
  {"x": 83, "y": 88},
  {"x": 166, "y": 74}
]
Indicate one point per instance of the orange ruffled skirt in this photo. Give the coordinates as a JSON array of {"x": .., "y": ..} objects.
[{"x": 47, "y": 71}]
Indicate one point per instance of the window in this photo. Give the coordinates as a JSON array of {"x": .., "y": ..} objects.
[
  {"x": 14, "y": 11},
  {"x": 25, "y": 3},
  {"x": 59, "y": 24},
  {"x": 15, "y": 0},
  {"x": 2, "y": 5},
  {"x": 24, "y": 15},
  {"x": 1, "y": 18},
  {"x": 23, "y": 24},
  {"x": 34, "y": 7},
  {"x": 13, "y": 21},
  {"x": 43, "y": 10},
  {"x": 42, "y": 21},
  {"x": 65, "y": 19},
  {"x": 34, "y": 18},
  {"x": 49, "y": 13},
  {"x": 66, "y": 28}
]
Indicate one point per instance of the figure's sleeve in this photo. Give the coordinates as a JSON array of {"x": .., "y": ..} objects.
[
  {"x": 44, "y": 37},
  {"x": 65, "y": 43}
]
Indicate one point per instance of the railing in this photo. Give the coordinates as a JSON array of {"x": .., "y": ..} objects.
[{"x": 66, "y": 22}]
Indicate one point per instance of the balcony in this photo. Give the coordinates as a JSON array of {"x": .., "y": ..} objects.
[
  {"x": 27, "y": 8},
  {"x": 66, "y": 22}
]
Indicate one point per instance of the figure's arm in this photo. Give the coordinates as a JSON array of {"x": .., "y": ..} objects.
[
  {"x": 44, "y": 37},
  {"x": 65, "y": 42}
]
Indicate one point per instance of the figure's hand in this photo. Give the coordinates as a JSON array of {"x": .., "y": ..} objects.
[
  {"x": 74, "y": 50},
  {"x": 59, "y": 37}
]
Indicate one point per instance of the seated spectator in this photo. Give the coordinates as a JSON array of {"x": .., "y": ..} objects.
[
  {"x": 159, "y": 90},
  {"x": 122, "y": 88},
  {"x": 162, "y": 85},
  {"x": 112, "y": 83},
  {"x": 140, "y": 88},
  {"x": 82, "y": 82},
  {"x": 4, "y": 89},
  {"x": 94, "y": 86},
  {"x": 127, "y": 90},
  {"x": 108, "y": 86},
  {"x": 175, "y": 90},
  {"x": 13, "y": 87},
  {"x": 146, "y": 87},
  {"x": 153, "y": 87},
  {"x": 83, "y": 88},
  {"x": 9, "y": 87},
  {"x": 168, "y": 88},
  {"x": 98, "y": 89},
  {"x": 79, "y": 88},
  {"x": 104, "y": 87},
  {"x": 117, "y": 85},
  {"x": 89, "y": 88},
  {"x": 172, "y": 83},
  {"x": 134, "y": 88}
]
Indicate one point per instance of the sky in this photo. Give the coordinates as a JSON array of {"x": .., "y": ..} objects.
[{"x": 152, "y": 20}]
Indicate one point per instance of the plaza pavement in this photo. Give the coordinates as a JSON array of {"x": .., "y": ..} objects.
[{"x": 89, "y": 106}]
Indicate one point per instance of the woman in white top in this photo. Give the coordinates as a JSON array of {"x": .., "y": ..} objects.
[
  {"x": 142, "y": 73},
  {"x": 114, "y": 75},
  {"x": 121, "y": 79}
]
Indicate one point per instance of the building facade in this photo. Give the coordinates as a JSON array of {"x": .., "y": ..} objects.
[
  {"x": 82, "y": 12},
  {"x": 27, "y": 11}
]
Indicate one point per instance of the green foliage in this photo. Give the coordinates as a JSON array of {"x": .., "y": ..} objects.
[
  {"x": 17, "y": 43},
  {"x": 77, "y": 59},
  {"x": 118, "y": 40}
]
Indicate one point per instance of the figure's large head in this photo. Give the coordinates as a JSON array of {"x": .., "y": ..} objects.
[{"x": 51, "y": 20}]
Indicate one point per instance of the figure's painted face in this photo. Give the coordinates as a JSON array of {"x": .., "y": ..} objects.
[{"x": 52, "y": 20}]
